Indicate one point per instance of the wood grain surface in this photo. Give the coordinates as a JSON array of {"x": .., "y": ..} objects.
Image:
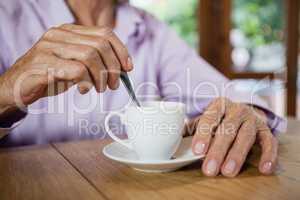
[
  {"x": 117, "y": 181},
  {"x": 41, "y": 173},
  {"x": 78, "y": 170}
]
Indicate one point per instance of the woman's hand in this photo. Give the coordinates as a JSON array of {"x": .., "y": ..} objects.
[
  {"x": 64, "y": 56},
  {"x": 226, "y": 132}
]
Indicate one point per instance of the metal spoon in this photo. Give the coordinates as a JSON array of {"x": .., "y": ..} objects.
[{"x": 125, "y": 79}]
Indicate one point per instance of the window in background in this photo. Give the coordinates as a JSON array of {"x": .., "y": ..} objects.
[
  {"x": 257, "y": 35},
  {"x": 257, "y": 39},
  {"x": 179, "y": 14}
]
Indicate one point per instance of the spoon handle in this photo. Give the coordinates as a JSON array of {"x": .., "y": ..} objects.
[{"x": 125, "y": 79}]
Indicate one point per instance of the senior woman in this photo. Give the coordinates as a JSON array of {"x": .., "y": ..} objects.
[{"x": 49, "y": 46}]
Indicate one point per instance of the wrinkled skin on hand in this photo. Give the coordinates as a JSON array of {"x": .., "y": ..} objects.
[
  {"x": 226, "y": 132},
  {"x": 65, "y": 56}
]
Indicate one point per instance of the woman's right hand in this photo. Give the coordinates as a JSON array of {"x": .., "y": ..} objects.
[{"x": 64, "y": 56}]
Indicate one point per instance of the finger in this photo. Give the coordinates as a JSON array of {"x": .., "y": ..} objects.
[
  {"x": 206, "y": 125},
  {"x": 66, "y": 78},
  {"x": 119, "y": 48},
  {"x": 121, "y": 51},
  {"x": 224, "y": 137},
  {"x": 44, "y": 70},
  {"x": 240, "y": 149},
  {"x": 269, "y": 145},
  {"x": 59, "y": 69},
  {"x": 85, "y": 85},
  {"x": 31, "y": 87},
  {"x": 57, "y": 87},
  {"x": 84, "y": 54},
  {"x": 102, "y": 45},
  {"x": 114, "y": 53}
]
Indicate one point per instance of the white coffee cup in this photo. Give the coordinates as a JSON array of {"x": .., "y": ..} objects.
[{"x": 154, "y": 130}]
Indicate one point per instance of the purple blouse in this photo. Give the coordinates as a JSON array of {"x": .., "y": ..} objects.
[{"x": 165, "y": 68}]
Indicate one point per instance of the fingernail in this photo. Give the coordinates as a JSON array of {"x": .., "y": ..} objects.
[
  {"x": 129, "y": 63},
  {"x": 199, "y": 148},
  {"x": 211, "y": 167},
  {"x": 116, "y": 85},
  {"x": 267, "y": 167},
  {"x": 230, "y": 167}
]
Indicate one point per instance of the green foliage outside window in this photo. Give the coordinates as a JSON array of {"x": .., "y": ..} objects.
[
  {"x": 261, "y": 21},
  {"x": 179, "y": 14}
]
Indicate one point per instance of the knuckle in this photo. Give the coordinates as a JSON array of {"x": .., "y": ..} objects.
[
  {"x": 42, "y": 44},
  {"x": 260, "y": 118},
  {"x": 239, "y": 112},
  {"x": 214, "y": 103},
  {"x": 249, "y": 122},
  {"x": 39, "y": 56},
  {"x": 206, "y": 125},
  {"x": 218, "y": 105},
  {"x": 241, "y": 107},
  {"x": 229, "y": 122},
  {"x": 88, "y": 53},
  {"x": 51, "y": 32},
  {"x": 245, "y": 111},
  {"x": 248, "y": 129},
  {"x": 222, "y": 99},
  {"x": 227, "y": 131},
  {"x": 262, "y": 127},
  {"x": 252, "y": 119},
  {"x": 106, "y": 31},
  {"x": 103, "y": 45},
  {"x": 92, "y": 53},
  {"x": 66, "y": 26},
  {"x": 210, "y": 116}
]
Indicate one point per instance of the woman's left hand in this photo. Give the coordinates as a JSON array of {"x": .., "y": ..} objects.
[{"x": 226, "y": 132}]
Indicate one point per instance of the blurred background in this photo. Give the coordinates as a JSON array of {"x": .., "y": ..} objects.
[{"x": 254, "y": 42}]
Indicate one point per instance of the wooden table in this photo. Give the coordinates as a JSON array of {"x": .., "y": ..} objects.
[{"x": 78, "y": 170}]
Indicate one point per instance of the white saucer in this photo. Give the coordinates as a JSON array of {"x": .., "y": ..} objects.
[{"x": 182, "y": 157}]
